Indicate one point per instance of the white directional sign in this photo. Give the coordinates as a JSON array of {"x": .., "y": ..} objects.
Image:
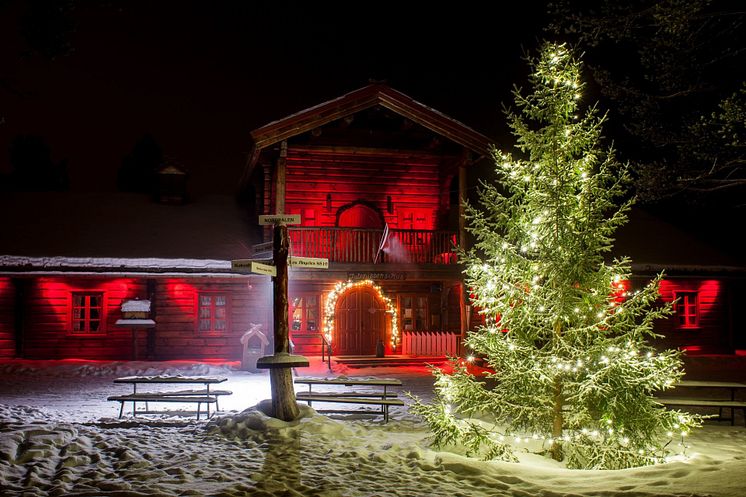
[
  {"x": 241, "y": 264},
  {"x": 263, "y": 247},
  {"x": 316, "y": 262},
  {"x": 267, "y": 219},
  {"x": 253, "y": 266},
  {"x": 259, "y": 268}
]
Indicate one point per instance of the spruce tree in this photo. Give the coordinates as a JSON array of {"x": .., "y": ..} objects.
[{"x": 571, "y": 372}]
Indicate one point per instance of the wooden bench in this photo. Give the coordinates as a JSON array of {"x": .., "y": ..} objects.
[
  {"x": 162, "y": 397},
  {"x": 382, "y": 398},
  {"x": 199, "y": 393},
  {"x": 720, "y": 404}
]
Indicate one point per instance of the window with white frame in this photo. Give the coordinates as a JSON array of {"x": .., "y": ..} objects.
[
  {"x": 687, "y": 309},
  {"x": 414, "y": 312},
  {"x": 87, "y": 313},
  {"x": 304, "y": 312},
  {"x": 212, "y": 313}
]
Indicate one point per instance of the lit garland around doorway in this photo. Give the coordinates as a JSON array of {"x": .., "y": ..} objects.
[{"x": 342, "y": 287}]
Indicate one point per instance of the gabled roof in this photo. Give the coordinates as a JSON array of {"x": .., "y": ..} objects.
[{"x": 359, "y": 100}]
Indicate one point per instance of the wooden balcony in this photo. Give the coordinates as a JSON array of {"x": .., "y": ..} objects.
[{"x": 360, "y": 246}]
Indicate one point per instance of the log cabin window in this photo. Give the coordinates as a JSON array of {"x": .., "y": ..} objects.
[
  {"x": 213, "y": 313},
  {"x": 87, "y": 313},
  {"x": 304, "y": 312},
  {"x": 687, "y": 309},
  {"x": 414, "y": 312}
]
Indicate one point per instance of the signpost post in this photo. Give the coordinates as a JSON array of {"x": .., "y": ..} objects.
[{"x": 284, "y": 405}]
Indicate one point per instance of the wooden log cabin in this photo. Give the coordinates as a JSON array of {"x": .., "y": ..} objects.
[
  {"x": 377, "y": 179},
  {"x": 64, "y": 297}
]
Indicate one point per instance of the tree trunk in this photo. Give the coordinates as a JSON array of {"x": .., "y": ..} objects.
[
  {"x": 284, "y": 405},
  {"x": 557, "y": 421}
]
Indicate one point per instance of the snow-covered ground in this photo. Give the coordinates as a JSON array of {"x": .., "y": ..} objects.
[{"x": 60, "y": 436}]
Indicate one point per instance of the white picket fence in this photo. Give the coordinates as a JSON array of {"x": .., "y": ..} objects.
[{"x": 430, "y": 343}]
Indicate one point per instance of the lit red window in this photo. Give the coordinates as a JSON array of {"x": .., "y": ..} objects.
[
  {"x": 213, "y": 312},
  {"x": 305, "y": 313},
  {"x": 414, "y": 312},
  {"x": 87, "y": 312},
  {"x": 687, "y": 309}
]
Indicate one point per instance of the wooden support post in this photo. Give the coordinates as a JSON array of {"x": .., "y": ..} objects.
[
  {"x": 464, "y": 307},
  {"x": 267, "y": 205},
  {"x": 281, "y": 379},
  {"x": 280, "y": 364},
  {"x": 19, "y": 314},
  {"x": 152, "y": 287},
  {"x": 134, "y": 343},
  {"x": 280, "y": 173},
  {"x": 281, "y": 247},
  {"x": 461, "y": 209}
]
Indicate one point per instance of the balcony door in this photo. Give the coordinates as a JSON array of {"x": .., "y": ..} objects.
[
  {"x": 360, "y": 321},
  {"x": 360, "y": 232}
]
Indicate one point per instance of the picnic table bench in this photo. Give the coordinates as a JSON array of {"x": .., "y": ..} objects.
[
  {"x": 201, "y": 396},
  {"x": 380, "y": 397},
  {"x": 700, "y": 401}
]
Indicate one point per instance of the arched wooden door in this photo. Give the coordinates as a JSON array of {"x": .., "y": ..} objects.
[
  {"x": 360, "y": 321},
  {"x": 359, "y": 216},
  {"x": 359, "y": 243}
]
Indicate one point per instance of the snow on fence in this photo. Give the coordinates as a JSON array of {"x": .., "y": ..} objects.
[{"x": 430, "y": 343}]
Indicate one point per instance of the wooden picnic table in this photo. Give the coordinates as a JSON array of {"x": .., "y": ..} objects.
[
  {"x": 732, "y": 387},
  {"x": 173, "y": 380},
  {"x": 198, "y": 396},
  {"x": 383, "y": 397}
]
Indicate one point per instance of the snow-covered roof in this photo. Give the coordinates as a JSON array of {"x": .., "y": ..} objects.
[
  {"x": 119, "y": 266},
  {"x": 136, "y": 305}
]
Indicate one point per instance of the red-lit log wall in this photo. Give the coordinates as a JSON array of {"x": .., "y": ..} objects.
[
  {"x": 49, "y": 333},
  {"x": 406, "y": 189},
  {"x": 710, "y": 332},
  {"x": 7, "y": 318}
]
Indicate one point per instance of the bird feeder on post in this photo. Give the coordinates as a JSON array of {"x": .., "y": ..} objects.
[{"x": 135, "y": 315}]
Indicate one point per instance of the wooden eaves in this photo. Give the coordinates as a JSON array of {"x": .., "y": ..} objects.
[{"x": 356, "y": 101}]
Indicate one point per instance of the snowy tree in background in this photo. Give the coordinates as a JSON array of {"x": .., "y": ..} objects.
[{"x": 573, "y": 376}]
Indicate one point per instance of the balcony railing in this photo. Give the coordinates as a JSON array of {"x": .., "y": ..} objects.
[{"x": 353, "y": 245}]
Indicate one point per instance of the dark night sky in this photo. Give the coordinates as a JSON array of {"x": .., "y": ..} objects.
[{"x": 199, "y": 76}]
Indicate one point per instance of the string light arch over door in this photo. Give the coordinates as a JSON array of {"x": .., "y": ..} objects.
[{"x": 340, "y": 289}]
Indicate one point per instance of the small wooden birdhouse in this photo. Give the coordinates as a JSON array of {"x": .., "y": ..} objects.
[{"x": 136, "y": 309}]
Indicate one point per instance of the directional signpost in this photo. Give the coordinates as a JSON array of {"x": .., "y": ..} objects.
[
  {"x": 252, "y": 266},
  {"x": 284, "y": 405},
  {"x": 315, "y": 262},
  {"x": 263, "y": 250},
  {"x": 279, "y": 219},
  {"x": 259, "y": 268}
]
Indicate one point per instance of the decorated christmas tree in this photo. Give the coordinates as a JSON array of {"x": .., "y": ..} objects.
[{"x": 570, "y": 372}]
